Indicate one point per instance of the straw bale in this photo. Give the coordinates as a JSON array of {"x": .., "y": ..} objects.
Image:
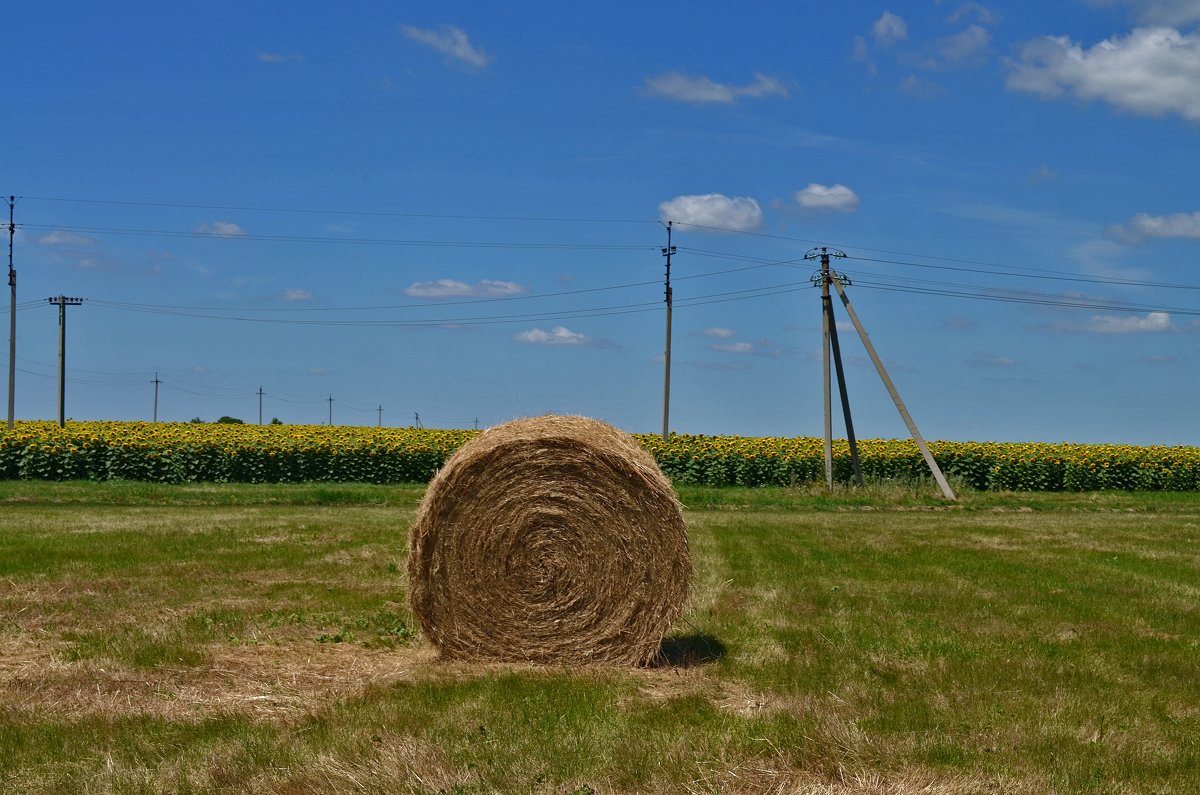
[{"x": 549, "y": 540}]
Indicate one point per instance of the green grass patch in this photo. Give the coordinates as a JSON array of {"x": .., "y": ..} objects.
[{"x": 251, "y": 638}]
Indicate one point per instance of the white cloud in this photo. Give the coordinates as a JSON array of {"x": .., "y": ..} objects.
[
  {"x": 738, "y": 365},
  {"x": 716, "y": 211},
  {"x": 733, "y": 347},
  {"x": 1129, "y": 324},
  {"x": 275, "y": 57},
  {"x": 1175, "y": 13},
  {"x": 859, "y": 51},
  {"x": 919, "y": 88},
  {"x": 450, "y": 41},
  {"x": 992, "y": 360},
  {"x": 1043, "y": 174},
  {"x": 296, "y": 294},
  {"x": 1150, "y": 72},
  {"x": 889, "y": 29},
  {"x": 966, "y": 46},
  {"x": 1143, "y": 226},
  {"x": 832, "y": 198},
  {"x": 701, "y": 90},
  {"x": 452, "y": 288},
  {"x": 220, "y": 229},
  {"x": 64, "y": 237},
  {"x": 559, "y": 335},
  {"x": 718, "y": 333},
  {"x": 972, "y": 10}
]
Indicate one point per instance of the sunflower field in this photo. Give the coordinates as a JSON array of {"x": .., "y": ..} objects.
[{"x": 195, "y": 452}]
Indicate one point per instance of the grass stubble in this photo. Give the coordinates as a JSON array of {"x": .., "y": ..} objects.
[{"x": 256, "y": 639}]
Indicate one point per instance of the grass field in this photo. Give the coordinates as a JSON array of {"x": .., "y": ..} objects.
[{"x": 255, "y": 639}]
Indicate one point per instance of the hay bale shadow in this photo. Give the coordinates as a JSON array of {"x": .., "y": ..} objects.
[{"x": 685, "y": 651}]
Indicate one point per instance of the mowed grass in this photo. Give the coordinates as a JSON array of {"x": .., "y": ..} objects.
[{"x": 256, "y": 639}]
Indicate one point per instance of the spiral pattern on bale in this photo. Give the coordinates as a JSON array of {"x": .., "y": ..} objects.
[{"x": 549, "y": 540}]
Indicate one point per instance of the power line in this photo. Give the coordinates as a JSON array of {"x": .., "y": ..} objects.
[
  {"x": 363, "y": 213},
  {"x": 247, "y": 236}
]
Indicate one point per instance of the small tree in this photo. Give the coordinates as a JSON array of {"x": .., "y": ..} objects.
[{"x": 231, "y": 421}]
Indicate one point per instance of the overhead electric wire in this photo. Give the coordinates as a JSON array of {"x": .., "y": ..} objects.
[
  {"x": 247, "y": 236},
  {"x": 363, "y": 213}
]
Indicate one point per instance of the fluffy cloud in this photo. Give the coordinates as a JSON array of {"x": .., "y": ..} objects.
[
  {"x": 987, "y": 360},
  {"x": 1158, "y": 12},
  {"x": 715, "y": 211},
  {"x": 275, "y": 57},
  {"x": 733, "y": 347},
  {"x": 450, "y": 41},
  {"x": 889, "y": 29},
  {"x": 966, "y": 46},
  {"x": 452, "y": 288},
  {"x": 559, "y": 335},
  {"x": 1129, "y": 324},
  {"x": 972, "y": 10},
  {"x": 220, "y": 229},
  {"x": 64, "y": 237},
  {"x": 718, "y": 333},
  {"x": 1143, "y": 226},
  {"x": 920, "y": 88},
  {"x": 296, "y": 294},
  {"x": 701, "y": 90},
  {"x": 831, "y": 198},
  {"x": 1150, "y": 72}
]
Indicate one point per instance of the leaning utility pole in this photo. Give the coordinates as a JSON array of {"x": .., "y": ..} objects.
[
  {"x": 12, "y": 317},
  {"x": 156, "y": 382},
  {"x": 891, "y": 388},
  {"x": 667, "y": 252},
  {"x": 62, "y": 302}
]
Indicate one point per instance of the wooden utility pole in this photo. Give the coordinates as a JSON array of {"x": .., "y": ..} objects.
[
  {"x": 156, "y": 382},
  {"x": 12, "y": 317},
  {"x": 62, "y": 302},
  {"x": 829, "y": 344},
  {"x": 667, "y": 252},
  {"x": 260, "y": 395},
  {"x": 331, "y": 411}
]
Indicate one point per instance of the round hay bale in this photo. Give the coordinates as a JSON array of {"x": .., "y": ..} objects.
[{"x": 550, "y": 540}]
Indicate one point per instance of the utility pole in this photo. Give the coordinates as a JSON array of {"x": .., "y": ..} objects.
[
  {"x": 62, "y": 302},
  {"x": 330, "y": 410},
  {"x": 260, "y": 394},
  {"x": 12, "y": 317},
  {"x": 156, "y": 382},
  {"x": 476, "y": 423},
  {"x": 667, "y": 252},
  {"x": 380, "y": 410},
  {"x": 829, "y": 343},
  {"x": 417, "y": 418}
]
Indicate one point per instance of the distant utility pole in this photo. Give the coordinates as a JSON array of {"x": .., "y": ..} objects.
[
  {"x": 829, "y": 278},
  {"x": 12, "y": 317},
  {"x": 62, "y": 302},
  {"x": 331, "y": 411},
  {"x": 156, "y": 382},
  {"x": 380, "y": 410},
  {"x": 260, "y": 394},
  {"x": 417, "y": 418},
  {"x": 476, "y": 423},
  {"x": 667, "y": 252}
]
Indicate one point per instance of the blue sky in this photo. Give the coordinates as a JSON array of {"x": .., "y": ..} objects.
[{"x": 457, "y": 210}]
